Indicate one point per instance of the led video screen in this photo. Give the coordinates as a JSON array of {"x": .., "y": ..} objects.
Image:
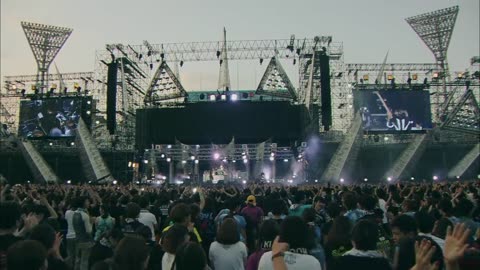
[
  {"x": 49, "y": 118},
  {"x": 219, "y": 122},
  {"x": 394, "y": 110}
]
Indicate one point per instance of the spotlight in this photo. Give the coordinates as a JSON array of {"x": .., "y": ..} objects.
[
  {"x": 169, "y": 159},
  {"x": 181, "y": 63},
  {"x": 164, "y": 178},
  {"x": 212, "y": 98},
  {"x": 162, "y": 155},
  {"x": 458, "y": 177},
  {"x": 316, "y": 181},
  {"x": 97, "y": 122},
  {"x": 89, "y": 102},
  {"x": 385, "y": 138},
  {"x": 169, "y": 146},
  {"x": 225, "y": 160},
  {"x": 272, "y": 154},
  {"x": 184, "y": 161},
  {"x": 234, "y": 161},
  {"x": 129, "y": 164},
  {"x": 89, "y": 112},
  {"x": 244, "y": 182},
  {"x": 285, "y": 160},
  {"x": 218, "y": 54},
  {"x": 158, "y": 182},
  {"x": 272, "y": 158},
  {"x": 365, "y": 179},
  {"x": 234, "y": 97},
  {"x": 68, "y": 182},
  {"x": 50, "y": 144},
  {"x": 192, "y": 157},
  {"x": 145, "y": 161},
  {"x": 342, "y": 180},
  {"x": 261, "y": 61},
  {"x": 435, "y": 177},
  {"x": 412, "y": 178},
  {"x": 196, "y": 161},
  {"x": 216, "y": 156},
  {"x": 245, "y": 161},
  {"x": 223, "y": 97},
  {"x": 72, "y": 143},
  {"x": 115, "y": 182},
  {"x": 389, "y": 179}
]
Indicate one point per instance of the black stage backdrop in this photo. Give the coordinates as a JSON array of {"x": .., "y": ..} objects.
[{"x": 203, "y": 123}]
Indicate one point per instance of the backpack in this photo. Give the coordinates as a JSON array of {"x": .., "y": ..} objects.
[{"x": 79, "y": 227}]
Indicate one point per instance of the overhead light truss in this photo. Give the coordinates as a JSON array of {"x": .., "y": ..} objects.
[{"x": 275, "y": 82}]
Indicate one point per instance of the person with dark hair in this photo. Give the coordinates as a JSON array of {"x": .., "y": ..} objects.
[
  {"x": 463, "y": 210},
  {"x": 180, "y": 215},
  {"x": 228, "y": 252},
  {"x": 299, "y": 204},
  {"x": 426, "y": 223},
  {"x": 364, "y": 254},
  {"x": 131, "y": 223},
  {"x": 146, "y": 218},
  {"x": 233, "y": 211},
  {"x": 83, "y": 233},
  {"x": 315, "y": 247},
  {"x": 27, "y": 255},
  {"x": 403, "y": 226},
  {"x": 104, "y": 247},
  {"x": 279, "y": 209},
  {"x": 206, "y": 224},
  {"x": 104, "y": 223},
  {"x": 440, "y": 228},
  {"x": 321, "y": 215},
  {"x": 173, "y": 238},
  {"x": 338, "y": 240},
  {"x": 294, "y": 232},
  {"x": 267, "y": 233},
  {"x": 10, "y": 218},
  {"x": 410, "y": 207},
  {"x": 445, "y": 207},
  {"x": 190, "y": 256},
  {"x": 46, "y": 235},
  {"x": 349, "y": 200},
  {"x": 131, "y": 253}
]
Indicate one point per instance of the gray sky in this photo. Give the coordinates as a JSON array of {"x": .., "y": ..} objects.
[{"x": 367, "y": 28}]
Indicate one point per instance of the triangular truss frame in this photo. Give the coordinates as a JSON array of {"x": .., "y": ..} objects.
[
  {"x": 435, "y": 29},
  {"x": 465, "y": 116},
  {"x": 275, "y": 81},
  {"x": 164, "y": 85}
]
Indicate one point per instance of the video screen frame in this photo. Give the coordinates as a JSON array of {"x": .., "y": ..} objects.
[{"x": 393, "y": 111}]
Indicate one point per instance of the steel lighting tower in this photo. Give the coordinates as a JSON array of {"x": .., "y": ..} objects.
[
  {"x": 45, "y": 42},
  {"x": 435, "y": 29}
]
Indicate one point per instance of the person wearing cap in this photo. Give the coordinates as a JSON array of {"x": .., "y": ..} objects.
[{"x": 254, "y": 216}]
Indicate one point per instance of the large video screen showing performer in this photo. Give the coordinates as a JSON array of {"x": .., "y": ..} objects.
[
  {"x": 49, "y": 118},
  {"x": 393, "y": 110}
]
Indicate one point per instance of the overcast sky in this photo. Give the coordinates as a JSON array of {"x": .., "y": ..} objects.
[{"x": 367, "y": 28}]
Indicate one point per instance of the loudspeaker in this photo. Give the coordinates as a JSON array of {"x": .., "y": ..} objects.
[
  {"x": 112, "y": 97},
  {"x": 326, "y": 98}
]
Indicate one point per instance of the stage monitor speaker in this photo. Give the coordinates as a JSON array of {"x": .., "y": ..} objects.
[
  {"x": 112, "y": 97},
  {"x": 326, "y": 97}
]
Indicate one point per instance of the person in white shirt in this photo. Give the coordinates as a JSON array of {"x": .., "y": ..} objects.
[
  {"x": 146, "y": 218},
  {"x": 295, "y": 233},
  {"x": 228, "y": 252}
]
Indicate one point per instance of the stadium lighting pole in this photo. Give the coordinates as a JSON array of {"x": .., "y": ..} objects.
[
  {"x": 435, "y": 29},
  {"x": 45, "y": 42}
]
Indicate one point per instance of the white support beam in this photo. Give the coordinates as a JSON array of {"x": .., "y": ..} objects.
[
  {"x": 92, "y": 161},
  {"x": 462, "y": 166},
  {"x": 42, "y": 172},
  {"x": 408, "y": 157},
  {"x": 346, "y": 152}
]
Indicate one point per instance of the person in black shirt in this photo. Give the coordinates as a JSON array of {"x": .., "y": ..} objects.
[{"x": 46, "y": 235}]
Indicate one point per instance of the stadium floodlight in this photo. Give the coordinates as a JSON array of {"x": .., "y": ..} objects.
[
  {"x": 45, "y": 42},
  {"x": 435, "y": 29}
]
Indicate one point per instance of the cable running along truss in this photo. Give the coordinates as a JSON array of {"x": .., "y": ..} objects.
[{"x": 45, "y": 42}]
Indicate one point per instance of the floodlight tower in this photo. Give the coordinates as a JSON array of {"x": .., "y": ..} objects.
[
  {"x": 224, "y": 77},
  {"x": 45, "y": 42},
  {"x": 435, "y": 29}
]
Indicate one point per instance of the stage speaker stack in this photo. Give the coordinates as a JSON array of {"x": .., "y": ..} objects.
[
  {"x": 112, "y": 97},
  {"x": 326, "y": 97}
]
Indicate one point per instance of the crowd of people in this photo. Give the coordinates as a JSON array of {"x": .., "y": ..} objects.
[{"x": 259, "y": 226}]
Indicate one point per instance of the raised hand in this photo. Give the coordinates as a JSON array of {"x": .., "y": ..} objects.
[
  {"x": 455, "y": 243},
  {"x": 278, "y": 246},
  {"x": 423, "y": 256}
]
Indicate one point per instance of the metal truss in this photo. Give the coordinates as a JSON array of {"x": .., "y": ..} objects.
[
  {"x": 275, "y": 82},
  {"x": 13, "y": 84},
  {"x": 465, "y": 116},
  {"x": 45, "y": 42},
  {"x": 435, "y": 29},
  {"x": 164, "y": 86}
]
